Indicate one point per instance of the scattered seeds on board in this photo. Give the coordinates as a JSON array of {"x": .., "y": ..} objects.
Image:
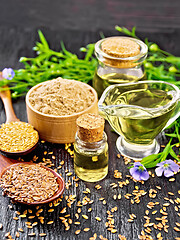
[
  {"x": 177, "y": 229},
  {"x": 7, "y": 234},
  {"x": 31, "y": 234},
  {"x": 86, "y": 229},
  {"x": 171, "y": 179},
  {"x": 133, "y": 197},
  {"x": 42, "y": 234},
  {"x": 50, "y": 222},
  {"x": 85, "y": 216},
  {"x": 51, "y": 210},
  {"x": 98, "y": 219},
  {"x": 77, "y": 232}
]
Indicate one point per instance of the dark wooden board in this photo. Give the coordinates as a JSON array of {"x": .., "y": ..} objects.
[
  {"x": 57, "y": 230},
  {"x": 157, "y": 20},
  {"x": 90, "y": 14}
]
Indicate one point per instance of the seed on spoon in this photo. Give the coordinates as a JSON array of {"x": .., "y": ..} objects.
[
  {"x": 29, "y": 183},
  {"x": 17, "y": 136}
]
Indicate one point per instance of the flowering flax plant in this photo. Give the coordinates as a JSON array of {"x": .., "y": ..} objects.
[
  {"x": 8, "y": 73},
  {"x": 139, "y": 172},
  {"x": 168, "y": 167}
]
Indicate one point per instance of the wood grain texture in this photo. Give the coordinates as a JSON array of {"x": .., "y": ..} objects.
[
  {"x": 82, "y": 20},
  {"x": 91, "y": 14},
  {"x": 57, "y": 231},
  {"x": 78, "y": 24},
  {"x": 129, "y": 230}
]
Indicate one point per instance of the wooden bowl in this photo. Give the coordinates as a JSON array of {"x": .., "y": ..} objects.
[{"x": 57, "y": 129}]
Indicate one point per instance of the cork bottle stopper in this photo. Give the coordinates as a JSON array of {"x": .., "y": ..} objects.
[
  {"x": 120, "y": 47},
  {"x": 90, "y": 127}
]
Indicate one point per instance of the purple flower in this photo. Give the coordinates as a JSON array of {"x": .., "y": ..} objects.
[
  {"x": 8, "y": 73},
  {"x": 139, "y": 172},
  {"x": 168, "y": 167}
]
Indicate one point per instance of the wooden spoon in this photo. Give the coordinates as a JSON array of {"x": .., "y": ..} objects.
[
  {"x": 11, "y": 117},
  {"x": 7, "y": 163}
]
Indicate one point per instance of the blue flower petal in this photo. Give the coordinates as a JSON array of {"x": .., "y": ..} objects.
[
  {"x": 174, "y": 167},
  {"x": 132, "y": 170},
  {"x": 161, "y": 164},
  {"x": 137, "y": 164},
  {"x": 144, "y": 175},
  {"x": 137, "y": 176},
  {"x": 8, "y": 73},
  {"x": 135, "y": 173},
  {"x": 168, "y": 173},
  {"x": 159, "y": 171}
]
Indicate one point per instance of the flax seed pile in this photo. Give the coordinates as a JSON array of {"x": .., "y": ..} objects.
[
  {"x": 17, "y": 136},
  {"x": 60, "y": 97},
  {"x": 29, "y": 183},
  {"x": 77, "y": 213}
]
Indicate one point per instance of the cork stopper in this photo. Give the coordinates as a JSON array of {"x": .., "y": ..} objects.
[
  {"x": 90, "y": 127},
  {"x": 121, "y": 52},
  {"x": 120, "y": 47}
]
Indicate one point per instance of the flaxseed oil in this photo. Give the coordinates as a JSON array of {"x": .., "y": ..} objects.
[{"x": 91, "y": 166}]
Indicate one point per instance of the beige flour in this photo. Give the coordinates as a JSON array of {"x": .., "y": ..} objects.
[{"x": 61, "y": 97}]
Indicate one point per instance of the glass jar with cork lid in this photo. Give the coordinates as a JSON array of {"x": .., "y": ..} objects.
[
  {"x": 120, "y": 61},
  {"x": 90, "y": 148}
]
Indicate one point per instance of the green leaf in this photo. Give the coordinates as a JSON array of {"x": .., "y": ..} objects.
[
  {"x": 134, "y": 32},
  {"x": 173, "y": 135},
  {"x": 43, "y": 40},
  {"x": 150, "y": 158},
  {"x": 152, "y": 164},
  {"x": 177, "y": 130},
  {"x": 90, "y": 52},
  {"x": 102, "y": 35},
  {"x": 173, "y": 154}
]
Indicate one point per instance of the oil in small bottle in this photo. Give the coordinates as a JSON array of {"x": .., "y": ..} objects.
[
  {"x": 91, "y": 166},
  {"x": 91, "y": 148}
]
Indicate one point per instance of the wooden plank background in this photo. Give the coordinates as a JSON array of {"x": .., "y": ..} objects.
[{"x": 78, "y": 23}]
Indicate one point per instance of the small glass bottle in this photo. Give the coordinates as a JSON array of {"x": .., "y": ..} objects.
[
  {"x": 91, "y": 148},
  {"x": 119, "y": 61}
]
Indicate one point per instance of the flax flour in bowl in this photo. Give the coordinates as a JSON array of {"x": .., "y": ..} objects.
[{"x": 53, "y": 107}]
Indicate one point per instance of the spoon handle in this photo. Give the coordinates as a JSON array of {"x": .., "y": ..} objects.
[
  {"x": 6, "y": 98},
  {"x": 6, "y": 162}
]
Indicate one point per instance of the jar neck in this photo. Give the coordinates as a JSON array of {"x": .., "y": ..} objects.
[
  {"x": 91, "y": 145},
  {"x": 137, "y": 71}
]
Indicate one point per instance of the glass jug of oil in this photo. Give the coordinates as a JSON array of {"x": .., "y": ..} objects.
[
  {"x": 138, "y": 112},
  {"x": 120, "y": 61}
]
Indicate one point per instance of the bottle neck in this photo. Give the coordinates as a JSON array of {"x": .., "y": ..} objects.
[{"x": 91, "y": 145}]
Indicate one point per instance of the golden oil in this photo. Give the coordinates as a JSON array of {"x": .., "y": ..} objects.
[
  {"x": 101, "y": 82},
  {"x": 132, "y": 120},
  {"x": 91, "y": 160},
  {"x": 119, "y": 61}
]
